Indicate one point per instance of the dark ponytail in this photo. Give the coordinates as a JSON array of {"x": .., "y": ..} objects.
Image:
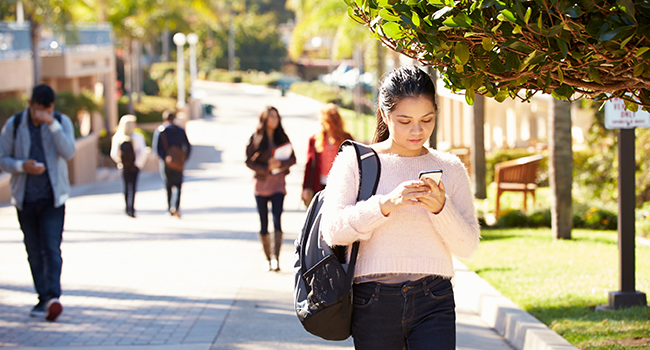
[{"x": 402, "y": 82}]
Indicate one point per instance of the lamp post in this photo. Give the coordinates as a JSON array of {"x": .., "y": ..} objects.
[
  {"x": 192, "y": 39},
  {"x": 179, "y": 40}
]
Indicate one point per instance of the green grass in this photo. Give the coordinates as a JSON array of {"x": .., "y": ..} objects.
[{"x": 562, "y": 281}]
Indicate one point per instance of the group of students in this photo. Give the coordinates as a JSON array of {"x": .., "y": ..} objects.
[
  {"x": 128, "y": 150},
  {"x": 408, "y": 231}
]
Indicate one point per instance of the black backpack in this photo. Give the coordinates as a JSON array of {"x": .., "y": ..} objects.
[
  {"x": 322, "y": 278},
  {"x": 127, "y": 154}
]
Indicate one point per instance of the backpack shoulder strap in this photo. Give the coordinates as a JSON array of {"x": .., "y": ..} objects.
[
  {"x": 369, "y": 166},
  {"x": 17, "y": 118}
]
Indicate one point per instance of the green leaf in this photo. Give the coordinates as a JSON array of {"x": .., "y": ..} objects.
[
  {"x": 469, "y": 96},
  {"x": 488, "y": 44},
  {"x": 626, "y": 41},
  {"x": 387, "y": 15},
  {"x": 360, "y": 3},
  {"x": 433, "y": 2},
  {"x": 560, "y": 75},
  {"x": 564, "y": 92},
  {"x": 496, "y": 27},
  {"x": 383, "y": 3},
  {"x": 517, "y": 30},
  {"x": 416, "y": 19},
  {"x": 461, "y": 53},
  {"x": 640, "y": 51},
  {"x": 630, "y": 106},
  {"x": 459, "y": 21},
  {"x": 354, "y": 16},
  {"x": 393, "y": 30},
  {"x": 563, "y": 46},
  {"x": 501, "y": 95},
  {"x": 529, "y": 11},
  {"x": 627, "y": 6},
  {"x": 489, "y": 86},
  {"x": 574, "y": 11},
  {"x": 594, "y": 76},
  {"x": 449, "y": 3},
  {"x": 509, "y": 15},
  {"x": 639, "y": 69}
]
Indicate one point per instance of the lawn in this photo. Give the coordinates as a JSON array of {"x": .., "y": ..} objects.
[{"x": 562, "y": 281}]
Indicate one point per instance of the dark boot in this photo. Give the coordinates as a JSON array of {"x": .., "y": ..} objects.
[
  {"x": 277, "y": 244},
  {"x": 266, "y": 245}
]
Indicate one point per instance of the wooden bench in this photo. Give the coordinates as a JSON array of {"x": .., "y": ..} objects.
[{"x": 517, "y": 175}]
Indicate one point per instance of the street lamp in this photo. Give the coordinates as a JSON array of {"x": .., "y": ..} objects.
[
  {"x": 179, "y": 40},
  {"x": 192, "y": 39}
]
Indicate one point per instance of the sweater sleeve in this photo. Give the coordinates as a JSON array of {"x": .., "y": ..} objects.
[
  {"x": 345, "y": 220},
  {"x": 457, "y": 223}
]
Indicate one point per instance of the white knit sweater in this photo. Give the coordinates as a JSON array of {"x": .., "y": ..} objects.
[{"x": 410, "y": 240}]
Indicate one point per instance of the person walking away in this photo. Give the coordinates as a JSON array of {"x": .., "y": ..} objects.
[
  {"x": 322, "y": 149},
  {"x": 128, "y": 150},
  {"x": 409, "y": 230},
  {"x": 35, "y": 145},
  {"x": 174, "y": 149},
  {"x": 270, "y": 155}
]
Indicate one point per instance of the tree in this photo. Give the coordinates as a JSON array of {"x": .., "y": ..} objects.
[
  {"x": 54, "y": 13},
  {"x": 512, "y": 48}
]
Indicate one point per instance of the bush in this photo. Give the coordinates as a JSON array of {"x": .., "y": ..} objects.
[
  {"x": 9, "y": 108},
  {"x": 514, "y": 218},
  {"x": 643, "y": 220},
  {"x": 149, "y": 110},
  {"x": 164, "y": 75}
]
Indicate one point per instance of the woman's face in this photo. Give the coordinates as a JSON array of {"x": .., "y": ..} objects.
[
  {"x": 410, "y": 124},
  {"x": 272, "y": 121}
]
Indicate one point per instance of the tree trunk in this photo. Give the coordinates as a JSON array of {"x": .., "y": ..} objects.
[
  {"x": 35, "y": 34},
  {"x": 560, "y": 168},
  {"x": 128, "y": 75},
  {"x": 477, "y": 149}
]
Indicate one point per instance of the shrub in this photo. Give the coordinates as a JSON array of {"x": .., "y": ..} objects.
[
  {"x": 9, "y": 108},
  {"x": 164, "y": 74},
  {"x": 643, "y": 220},
  {"x": 149, "y": 110},
  {"x": 514, "y": 218}
]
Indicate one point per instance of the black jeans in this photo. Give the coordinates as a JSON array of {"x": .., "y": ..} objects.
[
  {"x": 130, "y": 177},
  {"x": 277, "y": 202},
  {"x": 173, "y": 182},
  {"x": 42, "y": 227},
  {"x": 415, "y": 315}
]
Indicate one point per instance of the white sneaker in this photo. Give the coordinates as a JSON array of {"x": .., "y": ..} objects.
[
  {"x": 274, "y": 265},
  {"x": 53, "y": 309}
]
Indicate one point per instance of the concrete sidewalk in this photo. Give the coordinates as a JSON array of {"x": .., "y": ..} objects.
[{"x": 198, "y": 283}]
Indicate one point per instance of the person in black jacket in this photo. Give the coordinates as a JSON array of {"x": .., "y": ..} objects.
[{"x": 167, "y": 137}]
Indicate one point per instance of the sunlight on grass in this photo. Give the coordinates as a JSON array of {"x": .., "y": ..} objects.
[{"x": 562, "y": 281}]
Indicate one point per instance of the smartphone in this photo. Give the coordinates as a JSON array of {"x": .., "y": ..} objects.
[
  {"x": 434, "y": 175},
  {"x": 39, "y": 164}
]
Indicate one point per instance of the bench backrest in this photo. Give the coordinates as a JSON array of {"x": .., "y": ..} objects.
[{"x": 521, "y": 170}]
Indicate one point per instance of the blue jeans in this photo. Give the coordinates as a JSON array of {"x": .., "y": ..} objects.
[
  {"x": 277, "y": 203},
  {"x": 42, "y": 227},
  {"x": 414, "y": 315}
]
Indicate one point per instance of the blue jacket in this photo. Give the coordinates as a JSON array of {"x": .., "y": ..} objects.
[{"x": 59, "y": 145}]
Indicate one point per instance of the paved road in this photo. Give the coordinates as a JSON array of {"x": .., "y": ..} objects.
[{"x": 198, "y": 283}]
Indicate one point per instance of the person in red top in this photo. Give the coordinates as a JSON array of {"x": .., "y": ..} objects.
[{"x": 323, "y": 147}]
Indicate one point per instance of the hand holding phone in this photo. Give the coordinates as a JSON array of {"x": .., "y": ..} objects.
[{"x": 434, "y": 175}]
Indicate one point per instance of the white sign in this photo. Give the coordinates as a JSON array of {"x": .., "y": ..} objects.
[{"x": 617, "y": 117}]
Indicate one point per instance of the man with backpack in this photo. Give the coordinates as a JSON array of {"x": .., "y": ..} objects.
[
  {"x": 173, "y": 147},
  {"x": 35, "y": 145}
]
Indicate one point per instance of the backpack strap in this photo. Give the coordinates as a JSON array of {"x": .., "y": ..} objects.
[{"x": 369, "y": 165}]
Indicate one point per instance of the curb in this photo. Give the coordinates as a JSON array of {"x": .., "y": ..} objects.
[{"x": 519, "y": 328}]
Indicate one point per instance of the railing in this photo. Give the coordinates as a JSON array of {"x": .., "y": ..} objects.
[{"x": 15, "y": 41}]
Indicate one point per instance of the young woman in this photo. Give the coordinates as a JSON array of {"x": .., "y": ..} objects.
[
  {"x": 403, "y": 297},
  {"x": 263, "y": 156},
  {"x": 128, "y": 150},
  {"x": 323, "y": 146}
]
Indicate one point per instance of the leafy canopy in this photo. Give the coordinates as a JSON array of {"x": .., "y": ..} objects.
[{"x": 596, "y": 49}]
